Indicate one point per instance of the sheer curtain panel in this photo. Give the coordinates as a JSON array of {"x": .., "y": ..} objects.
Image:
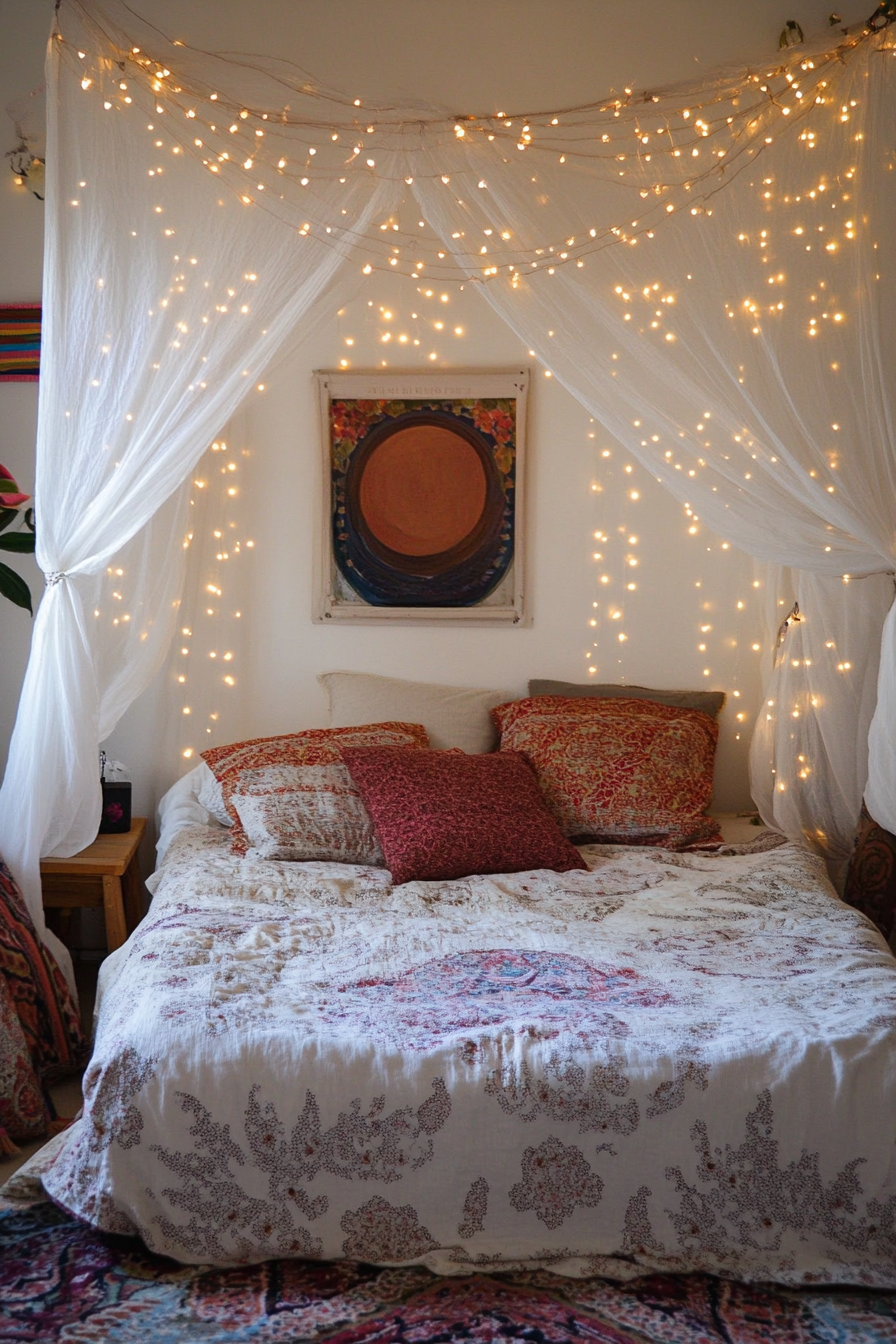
[
  {"x": 708, "y": 268},
  {"x": 165, "y": 294}
]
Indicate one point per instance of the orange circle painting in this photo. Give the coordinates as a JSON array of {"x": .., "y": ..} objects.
[
  {"x": 423, "y": 490},
  {"x": 423, "y": 499}
]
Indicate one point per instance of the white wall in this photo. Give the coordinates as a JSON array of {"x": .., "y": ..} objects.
[
  {"x": 25, "y": 27},
  {"x": 461, "y": 54}
]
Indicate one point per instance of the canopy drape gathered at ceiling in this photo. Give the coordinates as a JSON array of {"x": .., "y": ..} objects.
[
  {"x": 738, "y": 349},
  {"x": 708, "y": 269}
]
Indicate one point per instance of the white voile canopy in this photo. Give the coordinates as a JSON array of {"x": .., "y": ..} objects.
[{"x": 707, "y": 268}]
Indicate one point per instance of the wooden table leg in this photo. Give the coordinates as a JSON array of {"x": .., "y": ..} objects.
[
  {"x": 116, "y": 929},
  {"x": 64, "y": 920}
]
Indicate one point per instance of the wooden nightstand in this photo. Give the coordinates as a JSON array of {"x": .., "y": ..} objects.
[{"x": 104, "y": 874}]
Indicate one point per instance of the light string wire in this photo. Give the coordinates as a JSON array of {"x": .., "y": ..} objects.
[
  {"x": 744, "y": 127},
  {"x": 688, "y": 91}
]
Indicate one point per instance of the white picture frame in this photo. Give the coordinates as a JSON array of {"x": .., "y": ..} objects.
[{"x": 485, "y": 412}]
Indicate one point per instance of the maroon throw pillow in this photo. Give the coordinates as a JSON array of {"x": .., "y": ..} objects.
[{"x": 443, "y": 814}]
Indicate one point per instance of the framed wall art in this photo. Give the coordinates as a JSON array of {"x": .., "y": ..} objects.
[{"x": 422, "y": 501}]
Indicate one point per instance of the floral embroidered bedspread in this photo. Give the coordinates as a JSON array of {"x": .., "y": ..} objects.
[{"x": 672, "y": 1062}]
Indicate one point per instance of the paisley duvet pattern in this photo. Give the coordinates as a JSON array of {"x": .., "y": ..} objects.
[
  {"x": 670, "y": 1062},
  {"x": 472, "y": 991}
]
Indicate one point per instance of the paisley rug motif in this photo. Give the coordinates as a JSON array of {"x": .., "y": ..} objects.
[
  {"x": 59, "y": 1280},
  {"x": 467, "y": 991}
]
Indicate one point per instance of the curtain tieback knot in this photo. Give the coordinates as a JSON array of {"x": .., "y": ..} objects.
[{"x": 54, "y": 576}]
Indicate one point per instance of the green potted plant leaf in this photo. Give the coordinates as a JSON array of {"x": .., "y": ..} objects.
[{"x": 21, "y": 540}]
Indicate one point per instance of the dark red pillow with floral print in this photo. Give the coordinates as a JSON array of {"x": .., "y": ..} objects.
[{"x": 443, "y": 814}]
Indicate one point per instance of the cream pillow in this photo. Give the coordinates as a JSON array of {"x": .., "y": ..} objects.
[{"x": 453, "y": 716}]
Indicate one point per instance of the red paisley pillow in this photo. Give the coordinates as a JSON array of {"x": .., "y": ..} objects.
[
  {"x": 246, "y": 767},
  {"x": 443, "y": 814},
  {"x": 618, "y": 771}
]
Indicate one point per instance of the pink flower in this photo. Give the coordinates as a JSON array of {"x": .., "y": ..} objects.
[{"x": 10, "y": 495}]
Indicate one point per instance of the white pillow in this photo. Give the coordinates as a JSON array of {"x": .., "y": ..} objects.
[
  {"x": 453, "y": 716},
  {"x": 180, "y": 807},
  {"x": 210, "y": 796}
]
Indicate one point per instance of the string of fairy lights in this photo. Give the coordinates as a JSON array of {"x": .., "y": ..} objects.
[
  {"x": 307, "y": 155},
  {"x": 618, "y": 489},
  {"x": 669, "y": 150},
  {"x": 212, "y": 633},
  {"x": 210, "y": 615}
]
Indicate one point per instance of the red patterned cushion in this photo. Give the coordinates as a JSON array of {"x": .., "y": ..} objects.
[
  {"x": 618, "y": 771},
  {"x": 244, "y": 767},
  {"x": 24, "y": 1113},
  {"x": 442, "y": 814},
  {"x": 40, "y": 1029}
]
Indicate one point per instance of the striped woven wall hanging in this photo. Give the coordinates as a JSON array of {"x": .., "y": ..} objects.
[{"x": 19, "y": 342}]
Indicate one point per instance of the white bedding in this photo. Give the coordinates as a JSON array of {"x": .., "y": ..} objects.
[{"x": 674, "y": 1061}]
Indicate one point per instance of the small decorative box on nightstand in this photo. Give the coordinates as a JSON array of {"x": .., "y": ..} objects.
[
  {"x": 116, "y": 817},
  {"x": 104, "y": 874}
]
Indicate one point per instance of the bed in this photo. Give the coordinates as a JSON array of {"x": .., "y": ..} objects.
[{"x": 673, "y": 1061}]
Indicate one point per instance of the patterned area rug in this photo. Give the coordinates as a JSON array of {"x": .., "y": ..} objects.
[{"x": 59, "y": 1280}]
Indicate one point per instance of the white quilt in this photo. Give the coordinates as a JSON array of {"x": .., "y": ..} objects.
[{"x": 675, "y": 1062}]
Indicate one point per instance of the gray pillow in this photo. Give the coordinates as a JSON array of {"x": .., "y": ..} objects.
[{"x": 710, "y": 702}]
